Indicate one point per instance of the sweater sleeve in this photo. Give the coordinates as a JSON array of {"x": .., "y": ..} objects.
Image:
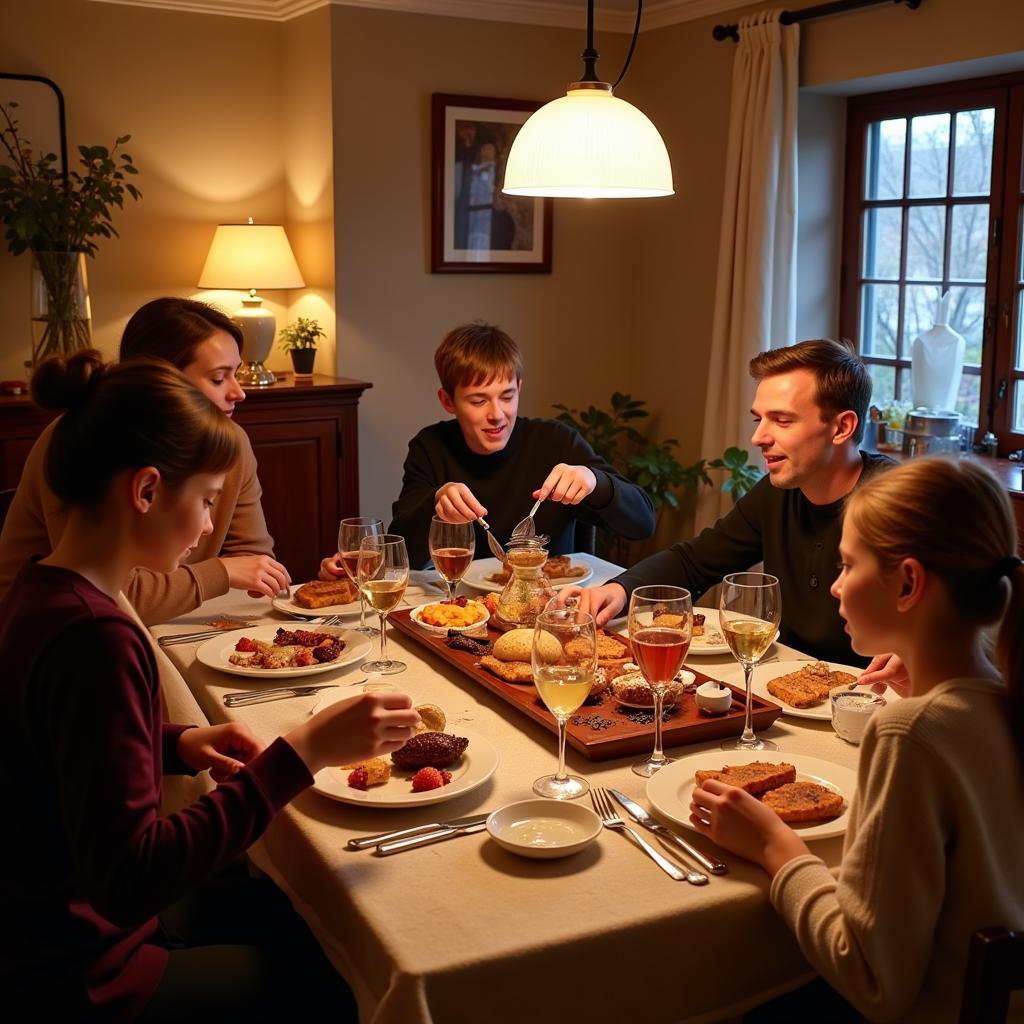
[
  {"x": 733, "y": 544},
  {"x": 412, "y": 512},
  {"x": 99, "y": 685},
  {"x": 869, "y": 933}
]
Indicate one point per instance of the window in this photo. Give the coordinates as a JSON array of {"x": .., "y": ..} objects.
[{"x": 934, "y": 190}]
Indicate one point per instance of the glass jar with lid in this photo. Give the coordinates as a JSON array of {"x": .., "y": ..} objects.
[{"x": 528, "y": 590}]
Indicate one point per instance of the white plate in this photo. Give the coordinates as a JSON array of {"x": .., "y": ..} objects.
[
  {"x": 671, "y": 789},
  {"x": 215, "y": 653},
  {"x": 480, "y": 626},
  {"x": 569, "y": 828},
  {"x": 705, "y": 646},
  {"x": 474, "y": 769},
  {"x": 289, "y": 607},
  {"x": 483, "y": 567},
  {"x": 764, "y": 674}
]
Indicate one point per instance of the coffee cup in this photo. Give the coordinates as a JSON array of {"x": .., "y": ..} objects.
[{"x": 851, "y": 710}]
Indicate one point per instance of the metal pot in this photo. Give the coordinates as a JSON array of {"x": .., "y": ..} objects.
[{"x": 931, "y": 432}]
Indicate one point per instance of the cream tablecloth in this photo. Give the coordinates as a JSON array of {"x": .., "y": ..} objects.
[{"x": 463, "y": 931}]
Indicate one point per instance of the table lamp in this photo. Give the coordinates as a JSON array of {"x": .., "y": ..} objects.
[{"x": 247, "y": 257}]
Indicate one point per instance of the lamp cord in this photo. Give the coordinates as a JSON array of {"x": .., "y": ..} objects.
[{"x": 632, "y": 45}]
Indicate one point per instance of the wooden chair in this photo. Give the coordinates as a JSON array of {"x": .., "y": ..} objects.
[
  {"x": 995, "y": 968},
  {"x": 6, "y": 497}
]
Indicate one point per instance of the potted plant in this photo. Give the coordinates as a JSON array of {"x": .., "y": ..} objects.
[
  {"x": 299, "y": 339},
  {"x": 57, "y": 215}
]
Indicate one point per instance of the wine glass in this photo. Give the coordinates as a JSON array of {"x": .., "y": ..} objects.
[
  {"x": 564, "y": 660},
  {"x": 451, "y": 550},
  {"x": 350, "y": 534},
  {"x": 383, "y": 571},
  {"x": 750, "y": 607},
  {"x": 660, "y": 627}
]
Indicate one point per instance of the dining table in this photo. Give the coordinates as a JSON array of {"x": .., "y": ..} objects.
[{"x": 464, "y": 931}]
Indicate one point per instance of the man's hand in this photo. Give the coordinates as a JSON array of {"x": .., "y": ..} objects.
[
  {"x": 332, "y": 569},
  {"x": 568, "y": 485},
  {"x": 603, "y": 603},
  {"x": 886, "y": 670},
  {"x": 224, "y": 749},
  {"x": 257, "y": 575},
  {"x": 456, "y": 503}
]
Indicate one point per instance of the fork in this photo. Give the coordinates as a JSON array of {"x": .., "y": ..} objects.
[
  {"x": 492, "y": 542},
  {"x": 606, "y": 812},
  {"x": 209, "y": 634},
  {"x": 239, "y": 700},
  {"x": 526, "y": 527}
]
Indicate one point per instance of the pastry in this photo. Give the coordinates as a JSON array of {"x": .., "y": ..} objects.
[
  {"x": 809, "y": 685},
  {"x": 510, "y": 671},
  {"x": 432, "y": 718},
  {"x": 322, "y": 593},
  {"x": 804, "y": 801},
  {"x": 517, "y": 645},
  {"x": 756, "y": 777}
]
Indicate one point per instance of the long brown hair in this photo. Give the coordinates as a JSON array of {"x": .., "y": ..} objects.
[
  {"x": 954, "y": 517},
  {"x": 172, "y": 328},
  {"x": 143, "y": 412}
]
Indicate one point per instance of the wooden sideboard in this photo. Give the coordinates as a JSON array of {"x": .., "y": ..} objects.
[{"x": 306, "y": 439}]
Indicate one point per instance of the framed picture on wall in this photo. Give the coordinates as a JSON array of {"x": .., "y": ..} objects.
[{"x": 474, "y": 227}]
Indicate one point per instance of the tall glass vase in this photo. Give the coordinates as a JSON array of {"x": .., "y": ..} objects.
[{"x": 61, "y": 313}]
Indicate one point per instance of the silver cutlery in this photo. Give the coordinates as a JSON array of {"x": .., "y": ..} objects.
[
  {"x": 603, "y": 805},
  {"x": 496, "y": 549},
  {"x": 245, "y": 697},
  {"x": 525, "y": 527},
  {"x": 425, "y": 839},
  {"x": 641, "y": 817},
  {"x": 208, "y": 634},
  {"x": 417, "y": 830}
]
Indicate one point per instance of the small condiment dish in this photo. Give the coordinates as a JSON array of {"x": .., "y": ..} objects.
[
  {"x": 851, "y": 711},
  {"x": 715, "y": 698},
  {"x": 544, "y": 829}
]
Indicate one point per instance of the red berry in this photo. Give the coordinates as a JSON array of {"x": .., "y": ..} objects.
[
  {"x": 446, "y": 776},
  {"x": 246, "y": 645},
  {"x": 427, "y": 778},
  {"x": 359, "y": 778}
]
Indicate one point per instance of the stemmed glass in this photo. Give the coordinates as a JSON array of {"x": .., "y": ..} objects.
[
  {"x": 383, "y": 576},
  {"x": 750, "y": 607},
  {"x": 350, "y": 535},
  {"x": 660, "y": 628},
  {"x": 451, "y": 550},
  {"x": 564, "y": 664}
]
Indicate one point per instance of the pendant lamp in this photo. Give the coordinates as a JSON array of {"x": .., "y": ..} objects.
[{"x": 589, "y": 144}]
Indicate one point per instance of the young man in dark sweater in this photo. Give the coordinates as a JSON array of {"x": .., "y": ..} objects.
[
  {"x": 809, "y": 413},
  {"x": 488, "y": 461}
]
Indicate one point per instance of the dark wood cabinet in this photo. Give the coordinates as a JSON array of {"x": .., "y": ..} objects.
[{"x": 306, "y": 439}]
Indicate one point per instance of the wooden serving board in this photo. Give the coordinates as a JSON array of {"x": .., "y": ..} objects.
[{"x": 623, "y": 736}]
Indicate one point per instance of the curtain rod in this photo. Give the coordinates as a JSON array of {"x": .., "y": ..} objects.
[{"x": 723, "y": 32}]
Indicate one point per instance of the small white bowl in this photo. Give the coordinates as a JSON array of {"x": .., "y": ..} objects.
[
  {"x": 544, "y": 829},
  {"x": 481, "y": 626},
  {"x": 714, "y": 698}
]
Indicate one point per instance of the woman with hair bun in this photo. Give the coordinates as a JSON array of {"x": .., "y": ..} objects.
[
  {"x": 238, "y": 552},
  {"x": 89, "y": 861},
  {"x": 936, "y": 829}
]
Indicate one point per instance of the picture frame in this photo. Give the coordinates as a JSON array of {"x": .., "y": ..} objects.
[
  {"x": 40, "y": 112},
  {"x": 474, "y": 228}
]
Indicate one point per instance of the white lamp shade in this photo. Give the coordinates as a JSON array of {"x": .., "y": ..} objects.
[
  {"x": 250, "y": 256},
  {"x": 588, "y": 144}
]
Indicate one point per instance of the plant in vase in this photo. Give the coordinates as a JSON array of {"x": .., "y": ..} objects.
[
  {"x": 57, "y": 215},
  {"x": 299, "y": 340}
]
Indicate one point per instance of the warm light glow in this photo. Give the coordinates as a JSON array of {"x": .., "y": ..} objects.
[
  {"x": 250, "y": 256},
  {"x": 588, "y": 144}
]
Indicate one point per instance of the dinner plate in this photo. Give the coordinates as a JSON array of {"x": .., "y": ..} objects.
[
  {"x": 289, "y": 607},
  {"x": 483, "y": 567},
  {"x": 480, "y": 626},
  {"x": 474, "y": 769},
  {"x": 713, "y": 641},
  {"x": 764, "y": 674},
  {"x": 215, "y": 653},
  {"x": 671, "y": 789}
]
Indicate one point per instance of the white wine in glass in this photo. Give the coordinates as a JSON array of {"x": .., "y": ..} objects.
[
  {"x": 350, "y": 535},
  {"x": 564, "y": 662},
  {"x": 750, "y": 608},
  {"x": 451, "y": 550},
  {"x": 383, "y": 571}
]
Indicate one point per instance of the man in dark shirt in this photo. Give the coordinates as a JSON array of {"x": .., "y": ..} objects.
[
  {"x": 809, "y": 413},
  {"x": 491, "y": 462}
]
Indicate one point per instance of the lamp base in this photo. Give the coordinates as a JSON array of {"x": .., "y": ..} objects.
[{"x": 254, "y": 375}]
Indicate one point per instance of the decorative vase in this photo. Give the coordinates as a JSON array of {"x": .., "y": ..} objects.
[
  {"x": 61, "y": 313},
  {"x": 302, "y": 361}
]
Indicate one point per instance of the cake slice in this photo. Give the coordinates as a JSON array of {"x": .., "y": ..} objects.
[
  {"x": 804, "y": 801},
  {"x": 756, "y": 777},
  {"x": 322, "y": 593}
]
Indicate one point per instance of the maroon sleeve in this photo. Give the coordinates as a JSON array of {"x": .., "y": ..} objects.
[
  {"x": 99, "y": 684},
  {"x": 173, "y": 764}
]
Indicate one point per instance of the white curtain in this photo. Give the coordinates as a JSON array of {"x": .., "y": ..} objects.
[{"x": 755, "y": 296}]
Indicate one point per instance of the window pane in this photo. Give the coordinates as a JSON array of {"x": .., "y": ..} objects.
[
  {"x": 1018, "y": 407},
  {"x": 879, "y": 319},
  {"x": 968, "y": 244},
  {"x": 883, "y": 383},
  {"x": 926, "y": 242},
  {"x": 967, "y": 316},
  {"x": 1019, "y": 362},
  {"x": 918, "y": 313},
  {"x": 968, "y": 402},
  {"x": 929, "y": 155},
  {"x": 972, "y": 158},
  {"x": 883, "y": 229},
  {"x": 906, "y": 390},
  {"x": 884, "y": 172}
]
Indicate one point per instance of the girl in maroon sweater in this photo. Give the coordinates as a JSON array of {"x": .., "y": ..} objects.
[{"x": 88, "y": 860}]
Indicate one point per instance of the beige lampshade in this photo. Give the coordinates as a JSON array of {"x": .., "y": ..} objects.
[{"x": 250, "y": 256}]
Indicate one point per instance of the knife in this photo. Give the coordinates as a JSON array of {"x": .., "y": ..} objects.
[
  {"x": 434, "y": 826},
  {"x": 425, "y": 839},
  {"x": 641, "y": 817}
]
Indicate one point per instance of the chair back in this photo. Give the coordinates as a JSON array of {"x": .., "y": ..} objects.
[
  {"x": 584, "y": 538},
  {"x": 995, "y": 969}
]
